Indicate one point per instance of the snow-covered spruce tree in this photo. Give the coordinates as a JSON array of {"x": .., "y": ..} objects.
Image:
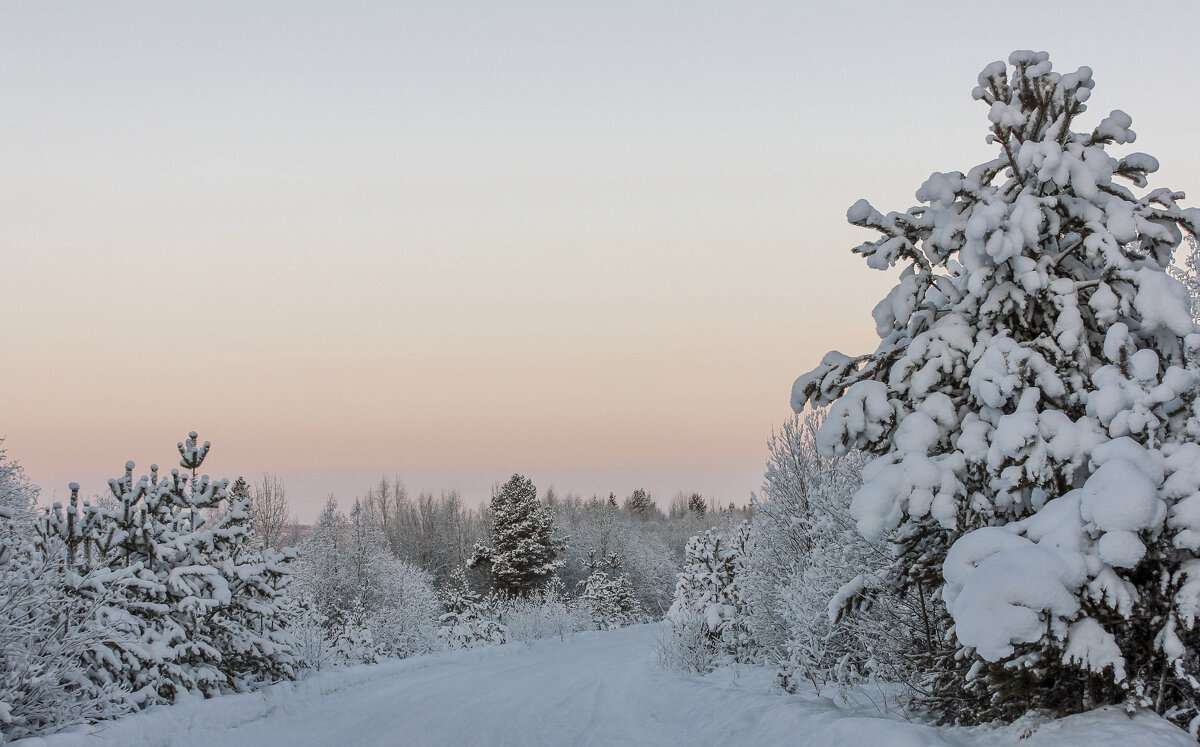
[
  {"x": 523, "y": 550},
  {"x": 240, "y": 489},
  {"x": 196, "y": 610},
  {"x": 1031, "y": 412},
  {"x": 709, "y": 593}
]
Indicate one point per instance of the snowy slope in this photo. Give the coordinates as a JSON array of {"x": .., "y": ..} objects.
[{"x": 595, "y": 689}]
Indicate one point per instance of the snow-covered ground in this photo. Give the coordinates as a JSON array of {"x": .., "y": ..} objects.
[{"x": 596, "y": 688}]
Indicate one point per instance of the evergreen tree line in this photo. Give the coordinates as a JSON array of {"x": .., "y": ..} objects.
[{"x": 999, "y": 508}]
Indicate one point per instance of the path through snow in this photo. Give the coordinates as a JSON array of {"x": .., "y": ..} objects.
[{"x": 594, "y": 689}]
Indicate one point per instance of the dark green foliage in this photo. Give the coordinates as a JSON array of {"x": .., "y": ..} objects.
[
  {"x": 639, "y": 503},
  {"x": 523, "y": 550}
]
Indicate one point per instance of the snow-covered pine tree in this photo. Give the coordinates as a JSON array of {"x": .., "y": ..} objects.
[
  {"x": 46, "y": 629},
  {"x": 607, "y": 594},
  {"x": 191, "y": 453},
  {"x": 469, "y": 621},
  {"x": 1187, "y": 271},
  {"x": 523, "y": 550},
  {"x": 240, "y": 489},
  {"x": 195, "y": 609},
  {"x": 639, "y": 503},
  {"x": 1031, "y": 411},
  {"x": 709, "y": 589}
]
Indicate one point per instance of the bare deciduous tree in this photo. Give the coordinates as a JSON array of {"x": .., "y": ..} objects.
[{"x": 269, "y": 515}]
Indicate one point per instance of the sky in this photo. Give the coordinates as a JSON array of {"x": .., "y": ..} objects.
[{"x": 593, "y": 243}]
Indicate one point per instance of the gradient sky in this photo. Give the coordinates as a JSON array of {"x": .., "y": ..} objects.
[{"x": 593, "y": 243}]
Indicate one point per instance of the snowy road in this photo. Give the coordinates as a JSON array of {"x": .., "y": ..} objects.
[
  {"x": 598, "y": 689},
  {"x": 594, "y": 689},
  {"x": 534, "y": 695}
]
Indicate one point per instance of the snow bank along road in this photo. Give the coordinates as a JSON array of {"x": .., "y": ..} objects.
[{"x": 601, "y": 688}]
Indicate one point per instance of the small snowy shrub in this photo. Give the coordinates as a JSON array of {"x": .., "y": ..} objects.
[
  {"x": 546, "y": 613},
  {"x": 686, "y": 644},
  {"x": 840, "y": 636},
  {"x": 46, "y": 634},
  {"x": 309, "y": 630},
  {"x": 1031, "y": 413}
]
